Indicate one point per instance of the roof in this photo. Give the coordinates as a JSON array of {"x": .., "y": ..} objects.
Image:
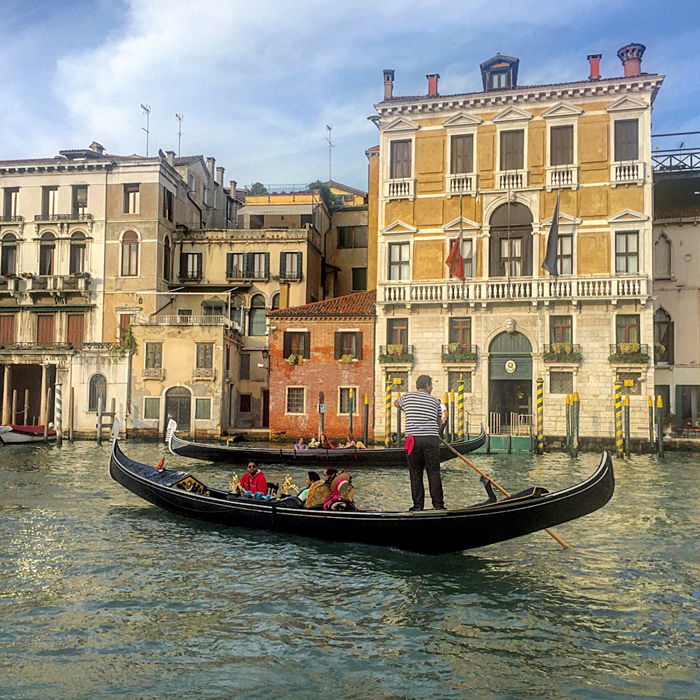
[
  {"x": 357, "y": 304},
  {"x": 345, "y": 188},
  {"x": 291, "y": 208},
  {"x": 675, "y": 196}
]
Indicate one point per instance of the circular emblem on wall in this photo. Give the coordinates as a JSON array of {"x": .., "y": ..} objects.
[{"x": 510, "y": 366}]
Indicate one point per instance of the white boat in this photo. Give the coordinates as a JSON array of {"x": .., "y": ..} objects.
[{"x": 23, "y": 434}]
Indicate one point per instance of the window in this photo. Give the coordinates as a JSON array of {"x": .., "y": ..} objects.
[
  {"x": 11, "y": 200},
  {"x": 213, "y": 307},
  {"x": 167, "y": 204},
  {"x": 167, "y": 259},
  {"x": 561, "y": 382},
  {"x": 192, "y": 182},
  {"x": 47, "y": 251},
  {"x": 627, "y": 328},
  {"x": 348, "y": 343},
  {"x": 75, "y": 331},
  {"x": 352, "y": 236},
  {"x": 275, "y": 303},
  {"x": 260, "y": 264},
  {"x": 124, "y": 324},
  {"x": 247, "y": 265},
  {"x": 512, "y": 149},
  {"x": 238, "y": 311},
  {"x": 627, "y": 252},
  {"x": 461, "y": 331},
  {"x": 565, "y": 254},
  {"x": 256, "y": 221},
  {"x": 97, "y": 393},
  {"x": 297, "y": 343},
  {"x": 79, "y": 201},
  {"x": 49, "y": 201},
  {"x": 561, "y": 145},
  {"x": 400, "y": 165},
  {"x": 296, "y": 399},
  {"x": 132, "y": 199},
  {"x": 498, "y": 80},
  {"x": 205, "y": 355},
  {"x": 245, "y": 403},
  {"x": 626, "y": 139},
  {"x": 662, "y": 258},
  {"x": 184, "y": 313},
  {"x": 191, "y": 266},
  {"x": 130, "y": 254},
  {"x": 202, "y": 409},
  {"x": 256, "y": 316},
  {"x": 290, "y": 266},
  {"x": 205, "y": 195},
  {"x": 397, "y": 331},
  {"x": 344, "y": 399},
  {"x": 45, "y": 328},
  {"x": 511, "y": 256},
  {"x": 462, "y": 154},
  {"x": 8, "y": 257},
  {"x": 77, "y": 253},
  {"x": 151, "y": 408},
  {"x": 467, "y": 255},
  {"x": 7, "y": 329},
  {"x": 631, "y": 383},
  {"x": 454, "y": 378},
  {"x": 663, "y": 336},
  {"x": 399, "y": 261},
  {"x": 235, "y": 263},
  {"x": 244, "y": 365},
  {"x": 359, "y": 279},
  {"x": 560, "y": 329},
  {"x": 154, "y": 355}
]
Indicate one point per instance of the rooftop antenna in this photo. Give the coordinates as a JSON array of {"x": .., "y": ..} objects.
[
  {"x": 147, "y": 111},
  {"x": 179, "y": 132},
  {"x": 329, "y": 139}
]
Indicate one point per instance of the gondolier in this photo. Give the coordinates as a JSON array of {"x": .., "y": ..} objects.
[{"x": 423, "y": 415}]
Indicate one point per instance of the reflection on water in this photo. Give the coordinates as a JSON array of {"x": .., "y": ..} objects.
[{"x": 103, "y": 595}]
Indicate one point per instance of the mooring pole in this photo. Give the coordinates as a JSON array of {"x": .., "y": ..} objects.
[
  {"x": 626, "y": 417},
  {"x": 575, "y": 413},
  {"x": 460, "y": 408},
  {"x": 540, "y": 415},
  {"x": 387, "y": 413},
  {"x": 47, "y": 411},
  {"x": 100, "y": 410},
  {"x": 71, "y": 413},
  {"x": 650, "y": 408},
  {"x": 399, "y": 428},
  {"x": 14, "y": 406},
  {"x": 365, "y": 432},
  {"x": 659, "y": 426},
  {"x": 58, "y": 411},
  {"x": 26, "y": 407},
  {"x": 619, "y": 448},
  {"x": 351, "y": 406},
  {"x": 320, "y": 414},
  {"x": 568, "y": 423},
  {"x": 453, "y": 414}
]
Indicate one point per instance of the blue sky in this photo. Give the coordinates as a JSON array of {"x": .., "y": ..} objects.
[{"x": 257, "y": 82}]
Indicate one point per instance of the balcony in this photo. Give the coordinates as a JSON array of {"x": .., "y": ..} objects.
[
  {"x": 630, "y": 172},
  {"x": 11, "y": 219},
  {"x": 38, "y": 347},
  {"x": 461, "y": 184},
  {"x": 153, "y": 373},
  {"x": 562, "y": 176},
  {"x": 204, "y": 374},
  {"x": 396, "y": 354},
  {"x": 676, "y": 160},
  {"x": 252, "y": 274},
  {"x": 458, "y": 353},
  {"x": 52, "y": 218},
  {"x": 562, "y": 352},
  {"x": 629, "y": 353},
  {"x": 512, "y": 179},
  {"x": 290, "y": 276},
  {"x": 182, "y": 320},
  {"x": 190, "y": 276},
  {"x": 9, "y": 283},
  {"x": 59, "y": 283},
  {"x": 523, "y": 289},
  {"x": 400, "y": 188}
]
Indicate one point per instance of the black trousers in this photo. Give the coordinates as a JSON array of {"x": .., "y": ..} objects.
[{"x": 426, "y": 455}]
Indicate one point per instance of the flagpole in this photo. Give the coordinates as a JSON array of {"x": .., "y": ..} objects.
[{"x": 461, "y": 245}]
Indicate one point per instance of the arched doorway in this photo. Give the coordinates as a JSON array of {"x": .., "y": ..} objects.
[
  {"x": 510, "y": 247},
  {"x": 510, "y": 382},
  {"x": 178, "y": 406}
]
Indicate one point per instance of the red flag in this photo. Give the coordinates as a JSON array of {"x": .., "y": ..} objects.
[{"x": 455, "y": 261}]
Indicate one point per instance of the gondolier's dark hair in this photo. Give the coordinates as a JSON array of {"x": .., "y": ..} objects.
[{"x": 423, "y": 381}]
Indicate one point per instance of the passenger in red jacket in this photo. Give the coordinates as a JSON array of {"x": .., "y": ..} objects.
[{"x": 254, "y": 480}]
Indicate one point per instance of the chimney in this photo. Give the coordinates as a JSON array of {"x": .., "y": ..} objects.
[
  {"x": 433, "y": 84},
  {"x": 594, "y": 63},
  {"x": 232, "y": 185},
  {"x": 211, "y": 163},
  {"x": 170, "y": 158},
  {"x": 220, "y": 176},
  {"x": 97, "y": 147},
  {"x": 631, "y": 57},
  {"x": 388, "y": 83}
]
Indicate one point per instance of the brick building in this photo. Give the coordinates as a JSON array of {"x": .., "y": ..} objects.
[{"x": 328, "y": 347}]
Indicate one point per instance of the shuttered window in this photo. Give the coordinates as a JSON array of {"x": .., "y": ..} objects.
[
  {"x": 561, "y": 146},
  {"x": 512, "y": 149},
  {"x": 7, "y": 329},
  {"x": 626, "y": 139},
  {"x": 348, "y": 343},
  {"x": 154, "y": 355},
  {"x": 462, "y": 154},
  {"x": 297, "y": 343},
  {"x": 400, "y": 159}
]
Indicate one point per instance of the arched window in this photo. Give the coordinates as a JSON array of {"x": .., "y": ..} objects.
[
  {"x": 663, "y": 336},
  {"x": 77, "y": 253},
  {"x": 510, "y": 248},
  {"x": 167, "y": 257},
  {"x": 238, "y": 311},
  {"x": 47, "y": 254},
  {"x": 256, "y": 315},
  {"x": 276, "y": 300},
  {"x": 662, "y": 258},
  {"x": 97, "y": 392},
  {"x": 130, "y": 254},
  {"x": 8, "y": 261}
]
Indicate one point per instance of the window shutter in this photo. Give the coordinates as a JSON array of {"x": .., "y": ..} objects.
[
  {"x": 283, "y": 260},
  {"x": 287, "y": 345},
  {"x": 306, "y": 338},
  {"x": 299, "y": 260},
  {"x": 267, "y": 264},
  {"x": 338, "y": 345},
  {"x": 229, "y": 264},
  {"x": 358, "y": 345}
]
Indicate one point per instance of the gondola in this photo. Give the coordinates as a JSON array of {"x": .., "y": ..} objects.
[
  {"x": 351, "y": 457},
  {"x": 427, "y": 532},
  {"x": 24, "y": 434}
]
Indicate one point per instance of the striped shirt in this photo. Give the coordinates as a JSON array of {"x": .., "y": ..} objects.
[{"x": 422, "y": 413}]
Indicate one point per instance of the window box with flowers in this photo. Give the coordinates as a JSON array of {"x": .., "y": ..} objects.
[
  {"x": 294, "y": 359},
  {"x": 396, "y": 353},
  {"x": 348, "y": 359},
  {"x": 459, "y": 352},
  {"x": 631, "y": 353},
  {"x": 561, "y": 352}
]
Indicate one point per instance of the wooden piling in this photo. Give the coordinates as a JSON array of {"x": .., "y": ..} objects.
[
  {"x": 659, "y": 426},
  {"x": 540, "y": 415},
  {"x": 71, "y": 413},
  {"x": 14, "y": 407},
  {"x": 575, "y": 413},
  {"x": 619, "y": 447},
  {"x": 365, "y": 432}
]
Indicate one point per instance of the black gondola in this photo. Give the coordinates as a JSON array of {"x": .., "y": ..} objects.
[
  {"x": 428, "y": 532},
  {"x": 351, "y": 457}
]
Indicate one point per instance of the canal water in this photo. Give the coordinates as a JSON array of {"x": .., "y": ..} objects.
[{"x": 105, "y": 596}]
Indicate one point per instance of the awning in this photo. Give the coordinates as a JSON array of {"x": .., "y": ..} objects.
[{"x": 276, "y": 209}]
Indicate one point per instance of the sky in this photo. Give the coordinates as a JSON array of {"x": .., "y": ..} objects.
[{"x": 258, "y": 81}]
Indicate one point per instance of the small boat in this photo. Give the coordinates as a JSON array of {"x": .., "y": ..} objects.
[
  {"x": 427, "y": 532},
  {"x": 22, "y": 434},
  {"x": 314, "y": 456}
]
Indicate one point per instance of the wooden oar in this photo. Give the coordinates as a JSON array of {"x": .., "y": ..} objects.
[{"x": 498, "y": 486}]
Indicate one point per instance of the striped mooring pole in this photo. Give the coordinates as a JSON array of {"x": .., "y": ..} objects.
[
  {"x": 58, "y": 410},
  {"x": 575, "y": 405},
  {"x": 351, "y": 407},
  {"x": 365, "y": 432},
  {"x": 460, "y": 408},
  {"x": 387, "y": 413},
  {"x": 569, "y": 423},
  {"x": 660, "y": 426},
  {"x": 540, "y": 415},
  {"x": 619, "y": 443},
  {"x": 453, "y": 416}
]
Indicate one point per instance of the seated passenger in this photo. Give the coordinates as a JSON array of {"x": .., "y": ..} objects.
[
  {"x": 350, "y": 442},
  {"x": 312, "y": 478},
  {"x": 325, "y": 443},
  {"x": 300, "y": 445},
  {"x": 342, "y": 493},
  {"x": 320, "y": 491},
  {"x": 253, "y": 481}
]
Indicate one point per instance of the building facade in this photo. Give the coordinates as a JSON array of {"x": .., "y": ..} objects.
[{"x": 490, "y": 169}]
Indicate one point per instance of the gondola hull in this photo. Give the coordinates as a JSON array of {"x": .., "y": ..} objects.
[
  {"x": 427, "y": 532},
  {"x": 24, "y": 434},
  {"x": 350, "y": 458}
]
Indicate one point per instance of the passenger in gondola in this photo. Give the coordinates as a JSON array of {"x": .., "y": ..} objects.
[
  {"x": 311, "y": 479},
  {"x": 300, "y": 445},
  {"x": 320, "y": 491},
  {"x": 253, "y": 481},
  {"x": 342, "y": 493},
  {"x": 325, "y": 443}
]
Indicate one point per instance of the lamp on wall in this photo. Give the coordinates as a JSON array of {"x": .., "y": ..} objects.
[{"x": 140, "y": 300}]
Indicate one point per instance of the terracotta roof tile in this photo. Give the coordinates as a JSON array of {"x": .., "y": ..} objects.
[{"x": 357, "y": 304}]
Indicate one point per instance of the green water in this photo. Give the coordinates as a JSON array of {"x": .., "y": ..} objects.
[{"x": 103, "y": 595}]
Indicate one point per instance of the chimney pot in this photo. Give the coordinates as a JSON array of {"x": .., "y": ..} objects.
[
  {"x": 220, "y": 175},
  {"x": 211, "y": 163},
  {"x": 97, "y": 147},
  {"x": 594, "y": 63},
  {"x": 170, "y": 157},
  {"x": 631, "y": 57},
  {"x": 388, "y": 83},
  {"x": 433, "y": 84}
]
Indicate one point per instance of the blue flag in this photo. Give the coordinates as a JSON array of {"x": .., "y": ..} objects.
[{"x": 550, "y": 260}]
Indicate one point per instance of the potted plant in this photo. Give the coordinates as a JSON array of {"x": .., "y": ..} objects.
[
  {"x": 347, "y": 358},
  {"x": 457, "y": 352},
  {"x": 294, "y": 359}
]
